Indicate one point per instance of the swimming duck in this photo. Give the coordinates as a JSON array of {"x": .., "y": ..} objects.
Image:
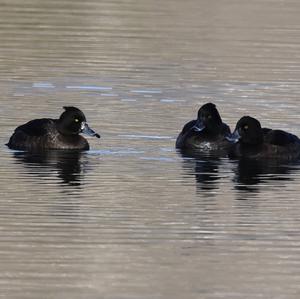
[
  {"x": 253, "y": 141},
  {"x": 207, "y": 132},
  {"x": 48, "y": 134}
]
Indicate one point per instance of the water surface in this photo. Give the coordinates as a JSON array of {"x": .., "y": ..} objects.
[{"x": 134, "y": 218}]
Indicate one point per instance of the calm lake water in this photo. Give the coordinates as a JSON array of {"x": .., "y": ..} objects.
[{"x": 133, "y": 218}]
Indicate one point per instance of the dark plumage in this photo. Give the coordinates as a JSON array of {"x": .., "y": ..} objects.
[
  {"x": 253, "y": 141},
  {"x": 207, "y": 132},
  {"x": 46, "y": 133}
]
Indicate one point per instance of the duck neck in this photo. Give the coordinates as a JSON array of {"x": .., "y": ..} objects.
[
  {"x": 255, "y": 142},
  {"x": 213, "y": 129},
  {"x": 62, "y": 129}
]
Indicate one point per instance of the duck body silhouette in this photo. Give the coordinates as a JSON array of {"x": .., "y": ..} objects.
[{"x": 47, "y": 134}]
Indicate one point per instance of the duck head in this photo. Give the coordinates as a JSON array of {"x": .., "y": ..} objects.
[
  {"x": 247, "y": 131},
  {"x": 73, "y": 122},
  {"x": 208, "y": 119}
]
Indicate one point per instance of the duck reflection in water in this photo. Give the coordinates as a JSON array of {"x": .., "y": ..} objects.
[
  {"x": 67, "y": 165},
  {"x": 251, "y": 174},
  {"x": 205, "y": 168}
]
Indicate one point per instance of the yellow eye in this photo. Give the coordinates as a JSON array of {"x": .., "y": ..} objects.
[
  {"x": 246, "y": 127},
  {"x": 76, "y": 120}
]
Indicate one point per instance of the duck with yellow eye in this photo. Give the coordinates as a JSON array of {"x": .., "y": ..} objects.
[
  {"x": 206, "y": 133},
  {"x": 253, "y": 141},
  {"x": 47, "y": 134}
]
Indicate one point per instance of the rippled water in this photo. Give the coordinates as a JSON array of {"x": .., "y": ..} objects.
[{"x": 134, "y": 218}]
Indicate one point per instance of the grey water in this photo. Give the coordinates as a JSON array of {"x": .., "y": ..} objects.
[{"x": 132, "y": 217}]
